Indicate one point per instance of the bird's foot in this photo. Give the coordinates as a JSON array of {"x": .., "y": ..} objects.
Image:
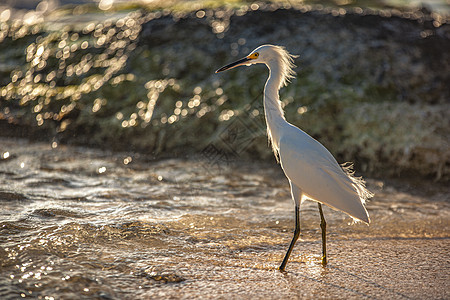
[{"x": 324, "y": 261}]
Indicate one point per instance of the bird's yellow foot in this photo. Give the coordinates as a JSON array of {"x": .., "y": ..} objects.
[{"x": 324, "y": 261}]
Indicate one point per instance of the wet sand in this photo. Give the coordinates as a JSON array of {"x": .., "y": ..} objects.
[{"x": 88, "y": 223}]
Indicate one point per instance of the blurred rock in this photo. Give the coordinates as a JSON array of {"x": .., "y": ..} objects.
[{"x": 372, "y": 85}]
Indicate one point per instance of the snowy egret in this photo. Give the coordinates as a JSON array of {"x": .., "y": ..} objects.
[{"x": 312, "y": 171}]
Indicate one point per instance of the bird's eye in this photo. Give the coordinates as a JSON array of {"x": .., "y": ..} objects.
[{"x": 254, "y": 55}]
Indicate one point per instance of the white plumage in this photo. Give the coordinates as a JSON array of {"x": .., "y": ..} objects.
[{"x": 312, "y": 170}]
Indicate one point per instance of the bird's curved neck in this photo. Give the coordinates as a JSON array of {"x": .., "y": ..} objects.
[{"x": 272, "y": 105}]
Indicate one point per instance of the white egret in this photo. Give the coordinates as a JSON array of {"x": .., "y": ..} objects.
[{"x": 312, "y": 171}]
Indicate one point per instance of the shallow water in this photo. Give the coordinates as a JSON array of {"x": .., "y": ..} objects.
[{"x": 84, "y": 223}]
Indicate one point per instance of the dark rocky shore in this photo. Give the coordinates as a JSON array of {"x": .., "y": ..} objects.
[{"x": 371, "y": 85}]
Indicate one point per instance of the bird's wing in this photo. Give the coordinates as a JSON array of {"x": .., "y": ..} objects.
[{"x": 310, "y": 166}]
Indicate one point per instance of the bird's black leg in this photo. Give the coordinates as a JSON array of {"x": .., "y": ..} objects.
[
  {"x": 323, "y": 226},
  {"x": 294, "y": 239}
]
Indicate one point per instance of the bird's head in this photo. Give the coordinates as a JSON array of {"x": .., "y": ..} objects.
[
  {"x": 269, "y": 55},
  {"x": 258, "y": 56}
]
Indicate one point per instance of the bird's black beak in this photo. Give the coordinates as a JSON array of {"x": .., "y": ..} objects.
[{"x": 235, "y": 64}]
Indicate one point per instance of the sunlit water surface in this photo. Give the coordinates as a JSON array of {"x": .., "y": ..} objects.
[{"x": 78, "y": 222}]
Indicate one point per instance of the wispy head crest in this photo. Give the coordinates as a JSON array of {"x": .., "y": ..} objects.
[{"x": 286, "y": 62}]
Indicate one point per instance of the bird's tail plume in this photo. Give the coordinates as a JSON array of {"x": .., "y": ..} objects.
[{"x": 358, "y": 182}]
